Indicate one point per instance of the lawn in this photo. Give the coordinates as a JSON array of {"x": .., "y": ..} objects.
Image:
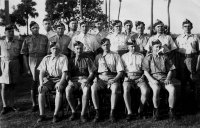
[{"x": 25, "y": 119}]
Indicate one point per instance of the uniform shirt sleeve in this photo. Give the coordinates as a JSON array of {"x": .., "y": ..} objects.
[
  {"x": 65, "y": 65},
  {"x": 24, "y": 49},
  {"x": 146, "y": 64},
  {"x": 91, "y": 66},
  {"x": 119, "y": 64},
  {"x": 43, "y": 65}
]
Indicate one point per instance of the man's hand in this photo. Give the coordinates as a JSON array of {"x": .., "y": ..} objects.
[
  {"x": 167, "y": 81},
  {"x": 58, "y": 87},
  {"x": 111, "y": 81},
  {"x": 70, "y": 83},
  {"x": 40, "y": 88},
  {"x": 95, "y": 80},
  {"x": 85, "y": 83}
]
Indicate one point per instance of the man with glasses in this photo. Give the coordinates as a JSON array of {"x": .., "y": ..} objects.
[{"x": 34, "y": 48}]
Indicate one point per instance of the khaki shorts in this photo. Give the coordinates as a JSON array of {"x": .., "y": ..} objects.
[
  {"x": 78, "y": 83},
  {"x": 134, "y": 83},
  {"x": 51, "y": 84}
]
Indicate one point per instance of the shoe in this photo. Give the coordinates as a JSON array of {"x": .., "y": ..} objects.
[
  {"x": 4, "y": 110},
  {"x": 55, "y": 119},
  {"x": 41, "y": 119},
  {"x": 156, "y": 114},
  {"x": 141, "y": 116},
  {"x": 83, "y": 119},
  {"x": 72, "y": 117},
  {"x": 129, "y": 117},
  {"x": 112, "y": 118},
  {"x": 97, "y": 117},
  {"x": 172, "y": 114},
  {"x": 35, "y": 108},
  {"x": 13, "y": 109}
]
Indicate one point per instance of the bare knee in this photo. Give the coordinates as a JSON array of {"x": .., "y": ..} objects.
[
  {"x": 86, "y": 91},
  {"x": 126, "y": 88},
  {"x": 68, "y": 91},
  {"x": 94, "y": 88},
  {"x": 114, "y": 88},
  {"x": 43, "y": 90}
]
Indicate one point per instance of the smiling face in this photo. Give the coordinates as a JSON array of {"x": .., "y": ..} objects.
[{"x": 156, "y": 48}]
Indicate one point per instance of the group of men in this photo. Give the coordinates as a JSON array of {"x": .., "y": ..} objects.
[{"x": 96, "y": 60}]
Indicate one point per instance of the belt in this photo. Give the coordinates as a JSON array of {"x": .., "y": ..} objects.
[
  {"x": 108, "y": 73},
  {"x": 159, "y": 73},
  {"x": 35, "y": 55},
  {"x": 10, "y": 58},
  {"x": 188, "y": 55},
  {"x": 134, "y": 74}
]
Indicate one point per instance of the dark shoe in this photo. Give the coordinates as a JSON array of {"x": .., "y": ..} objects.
[
  {"x": 35, "y": 108},
  {"x": 97, "y": 117},
  {"x": 41, "y": 119},
  {"x": 129, "y": 117},
  {"x": 13, "y": 109},
  {"x": 55, "y": 119},
  {"x": 83, "y": 119},
  {"x": 4, "y": 110},
  {"x": 141, "y": 116},
  {"x": 172, "y": 114},
  {"x": 112, "y": 118},
  {"x": 72, "y": 117},
  {"x": 156, "y": 114}
]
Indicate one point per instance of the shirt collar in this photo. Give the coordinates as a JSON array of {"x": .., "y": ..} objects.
[
  {"x": 184, "y": 35},
  {"x": 35, "y": 36},
  {"x": 54, "y": 57},
  {"x": 6, "y": 39}
]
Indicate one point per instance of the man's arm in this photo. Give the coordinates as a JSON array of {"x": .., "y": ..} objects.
[
  {"x": 41, "y": 77},
  {"x": 63, "y": 78},
  {"x": 150, "y": 78},
  {"x": 117, "y": 77},
  {"x": 25, "y": 58}
]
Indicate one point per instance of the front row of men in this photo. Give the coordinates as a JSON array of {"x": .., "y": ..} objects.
[{"x": 108, "y": 69}]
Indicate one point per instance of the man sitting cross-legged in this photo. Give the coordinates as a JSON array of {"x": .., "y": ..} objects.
[{"x": 53, "y": 72}]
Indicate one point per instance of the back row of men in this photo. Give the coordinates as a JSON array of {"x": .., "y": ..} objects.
[{"x": 81, "y": 48}]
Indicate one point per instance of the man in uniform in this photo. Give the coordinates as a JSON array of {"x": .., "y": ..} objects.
[
  {"x": 134, "y": 78},
  {"x": 48, "y": 28},
  {"x": 9, "y": 50},
  {"x": 158, "y": 70},
  {"x": 61, "y": 39},
  {"x": 81, "y": 74},
  {"x": 188, "y": 48},
  {"x": 117, "y": 39},
  {"x": 72, "y": 28},
  {"x": 128, "y": 25},
  {"x": 89, "y": 41},
  {"x": 53, "y": 73},
  {"x": 110, "y": 70},
  {"x": 34, "y": 48}
]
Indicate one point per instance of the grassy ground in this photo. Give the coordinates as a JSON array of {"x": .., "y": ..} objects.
[{"x": 25, "y": 119}]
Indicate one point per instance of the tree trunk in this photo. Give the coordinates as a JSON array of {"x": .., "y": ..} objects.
[
  {"x": 119, "y": 8},
  {"x": 151, "y": 31},
  {"x": 109, "y": 15},
  {"x": 27, "y": 25},
  {"x": 169, "y": 1},
  {"x": 81, "y": 10}
]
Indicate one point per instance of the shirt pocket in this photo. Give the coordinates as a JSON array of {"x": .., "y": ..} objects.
[
  {"x": 43, "y": 47},
  {"x": 16, "y": 50}
]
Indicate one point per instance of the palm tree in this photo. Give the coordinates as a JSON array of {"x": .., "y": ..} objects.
[
  {"x": 151, "y": 30},
  {"x": 120, "y": 1},
  {"x": 169, "y": 1}
]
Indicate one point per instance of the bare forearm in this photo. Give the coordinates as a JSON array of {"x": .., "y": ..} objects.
[
  {"x": 149, "y": 77},
  {"x": 169, "y": 75},
  {"x": 90, "y": 77},
  {"x": 41, "y": 76},
  {"x": 63, "y": 78},
  {"x": 119, "y": 75},
  {"x": 198, "y": 62},
  {"x": 25, "y": 58}
]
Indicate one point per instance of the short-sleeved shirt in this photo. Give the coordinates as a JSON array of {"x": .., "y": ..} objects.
[
  {"x": 118, "y": 41},
  {"x": 9, "y": 49},
  {"x": 72, "y": 34},
  {"x": 82, "y": 67},
  {"x": 35, "y": 44},
  {"x": 99, "y": 34},
  {"x": 164, "y": 39},
  {"x": 188, "y": 44},
  {"x": 132, "y": 62},
  {"x": 62, "y": 42},
  {"x": 89, "y": 41},
  {"x": 157, "y": 64},
  {"x": 50, "y": 34},
  {"x": 111, "y": 61},
  {"x": 54, "y": 66}
]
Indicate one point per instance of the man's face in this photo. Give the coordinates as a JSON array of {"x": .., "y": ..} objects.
[
  {"x": 187, "y": 28},
  {"x": 47, "y": 25},
  {"x": 78, "y": 49},
  {"x": 35, "y": 29},
  {"x": 156, "y": 48},
  {"x": 106, "y": 46},
  {"x": 159, "y": 28},
  {"x": 55, "y": 50},
  {"x": 128, "y": 27},
  {"x": 9, "y": 33},
  {"x": 73, "y": 25},
  {"x": 84, "y": 28},
  {"x": 131, "y": 48},
  {"x": 140, "y": 29},
  {"x": 99, "y": 25},
  {"x": 60, "y": 30},
  {"x": 118, "y": 28}
]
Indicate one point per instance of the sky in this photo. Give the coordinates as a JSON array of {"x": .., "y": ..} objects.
[{"x": 135, "y": 10}]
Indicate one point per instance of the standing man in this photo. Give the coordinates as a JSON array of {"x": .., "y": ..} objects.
[
  {"x": 89, "y": 41},
  {"x": 158, "y": 70},
  {"x": 53, "y": 72},
  {"x": 72, "y": 28},
  {"x": 134, "y": 78},
  {"x": 188, "y": 49},
  {"x": 128, "y": 25},
  {"x": 117, "y": 39},
  {"x": 61, "y": 39},
  {"x": 10, "y": 67},
  {"x": 34, "y": 48},
  {"x": 48, "y": 28},
  {"x": 110, "y": 70},
  {"x": 81, "y": 74}
]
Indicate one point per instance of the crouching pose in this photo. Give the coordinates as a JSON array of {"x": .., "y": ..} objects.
[
  {"x": 158, "y": 70},
  {"x": 81, "y": 74},
  {"x": 134, "y": 78},
  {"x": 53, "y": 72},
  {"x": 110, "y": 70}
]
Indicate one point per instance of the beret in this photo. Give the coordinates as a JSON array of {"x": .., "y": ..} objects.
[
  {"x": 104, "y": 40},
  {"x": 131, "y": 41},
  {"x": 58, "y": 24},
  {"x": 9, "y": 27},
  {"x": 128, "y": 21},
  {"x": 46, "y": 19},
  {"x": 83, "y": 22},
  {"x": 72, "y": 19},
  {"x": 157, "y": 23},
  {"x": 33, "y": 23},
  {"x": 156, "y": 42},
  {"x": 78, "y": 43},
  {"x": 114, "y": 22},
  {"x": 138, "y": 23},
  {"x": 186, "y": 21},
  {"x": 52, "y": 44}
]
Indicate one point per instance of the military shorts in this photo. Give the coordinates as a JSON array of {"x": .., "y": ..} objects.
[
  {"x": 78, "y": 83},
  {"x": 51, "y": 83},
  {"x": 134, "y": 83}
]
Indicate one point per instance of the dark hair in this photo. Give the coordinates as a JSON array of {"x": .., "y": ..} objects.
[
  {"x": 104, "y": 40},
  {"x": 78, "y": 43}
]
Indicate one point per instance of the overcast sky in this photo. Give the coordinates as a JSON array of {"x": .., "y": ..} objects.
[{"x": 137, "y": 10}]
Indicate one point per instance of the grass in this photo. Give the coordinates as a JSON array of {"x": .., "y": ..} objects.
[{"x": 25, "y": 119}]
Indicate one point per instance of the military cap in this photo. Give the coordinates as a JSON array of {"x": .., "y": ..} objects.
[
  {"x": 104, "y": 40},
  {"x": 78, "y": 43},
  {"x": 128, "y": 21},
  {"x": 33, "y": 23},
  {"x": 186, "y": 21},
  {"x": 157, "y": 23},
  {"x": 9, "y": 27},
  {"x": 138, "y": 23},
  {"x": 46, "y": 18},
  {"x": 52, "y": 44},
  {"x": 156, "y": 42},
  {"x": 131, "y": 41},
  {"x": 83, "y": 22},
  {"x": 58, "y": 24},
  {"x": 115, "y": 22}
]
